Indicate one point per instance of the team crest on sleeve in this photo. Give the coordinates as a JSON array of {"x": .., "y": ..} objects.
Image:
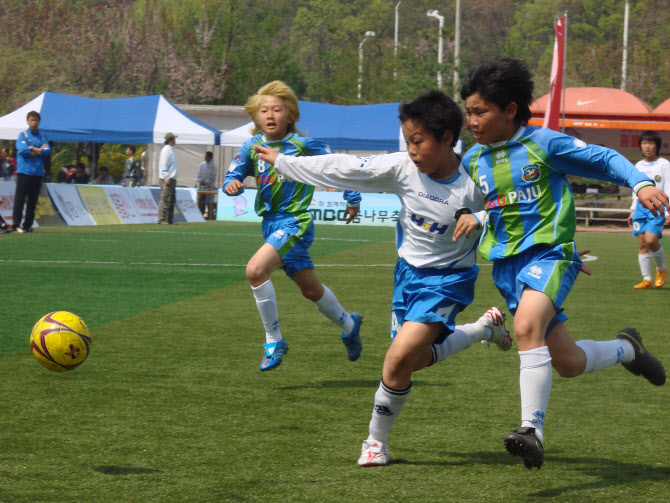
[
  {"x": 530, "y": 173},
  {"x": 579, "y": 143}
]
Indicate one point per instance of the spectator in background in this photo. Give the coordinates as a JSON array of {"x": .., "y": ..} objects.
[
  {"x": 103, "y": 178},
  {"x": 31, "y": 150},
  {"x": 167, "y": 172},
  {"x": 7, "y": 165},
  {"x": 206, "y": 181},
  {"x": 132, "y": 174},
  {"x": 79, "y": 176}
]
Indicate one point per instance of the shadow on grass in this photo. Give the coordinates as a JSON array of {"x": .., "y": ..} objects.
[
  {"x": 124, "y": 470},
  {"x": 368, "y": 383},
  {"x": 609, "y": 472}
]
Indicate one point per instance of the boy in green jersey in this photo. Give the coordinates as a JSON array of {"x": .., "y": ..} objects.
[
  {"x": 288, "y": 228},
  {"x": 529, "y": 226}
]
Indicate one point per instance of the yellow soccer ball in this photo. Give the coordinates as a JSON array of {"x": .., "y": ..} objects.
[{"x": 60, "y": 341}]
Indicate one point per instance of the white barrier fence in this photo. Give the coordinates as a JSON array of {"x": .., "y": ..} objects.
[{"x": 68, "y": 204}]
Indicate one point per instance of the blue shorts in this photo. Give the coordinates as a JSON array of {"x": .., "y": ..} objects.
[
  {"x": 550, "y": 270},
  {"x": 427, "y": 294},
  {"x": 291, "y": 235},
  {"x": 645, "y": 221}
]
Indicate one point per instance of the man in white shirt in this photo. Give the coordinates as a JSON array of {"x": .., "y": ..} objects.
[
  {"x": 206, "y": 182},
  {"x": 167, "y": 172}
]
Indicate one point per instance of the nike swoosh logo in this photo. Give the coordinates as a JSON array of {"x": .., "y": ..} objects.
[{"x": 580, "y": 102}]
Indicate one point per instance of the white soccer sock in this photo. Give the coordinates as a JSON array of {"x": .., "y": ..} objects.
[
  {"x": 463, "y": 337},
  {"x": 659, "y": 258},
  {"x": 266, "y": 301},
  {"x": 603, "y": 354},
  {"x": 388, "y": 404},
  {"x": 535, "y": 385},
  {"x": 645, "y": 261},
  {"x": 329, "y": 306}
]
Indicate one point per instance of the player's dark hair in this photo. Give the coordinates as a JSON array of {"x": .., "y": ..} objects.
[
  {"x": 131, "y": 147},
  {"x": 33, "y": 113},
  {"x": 651, "y": 136},
  {"x": 502, "y": 81},
  {"x": 436, "y": 112}
]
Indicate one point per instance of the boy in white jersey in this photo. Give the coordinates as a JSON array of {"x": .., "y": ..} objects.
[
  {"x": 647, "y": 227},
  {"x": 287, "y": 225},
  {"x": 529, "y": 229},
  {"x": 434, "y": 275}
]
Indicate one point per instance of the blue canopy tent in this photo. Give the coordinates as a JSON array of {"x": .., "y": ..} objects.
[
  {"x": 143, "y": 119},
  {"x": 356, "y": 127}
]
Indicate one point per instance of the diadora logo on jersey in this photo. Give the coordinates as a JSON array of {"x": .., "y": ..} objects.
[
  {"x": 579, "y": 143},
  {"x": 530, "y": 173},
  {"x": 535, "y": 272},
  {"x": 278, "y": 234},
  {"x": 501, "y": 156},
  {"x": 435, "y": 227},
  {"x": 433, "y": 198}
]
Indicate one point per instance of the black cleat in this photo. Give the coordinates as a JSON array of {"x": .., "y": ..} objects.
[
  {"x": 644, "y": 364},
  {"x": 525, "y": 444}
]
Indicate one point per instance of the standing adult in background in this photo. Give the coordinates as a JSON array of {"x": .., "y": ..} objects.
[
  {"x": 167, "y": 172},
  {"x": 206, "y": 181},
  {"x": 31, "y": 150},
  {"x": 132, "y": 173},
  {"x": 7, "y": 165}
]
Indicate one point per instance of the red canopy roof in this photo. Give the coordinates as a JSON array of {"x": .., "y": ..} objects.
[
  {"x": 596, "y": 100},
  {"x": 663, "y": 108}
]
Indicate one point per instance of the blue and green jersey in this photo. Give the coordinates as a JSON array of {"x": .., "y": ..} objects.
[
  {"x": 526, "y": 193},
  {"x": 277, "y": 194}
]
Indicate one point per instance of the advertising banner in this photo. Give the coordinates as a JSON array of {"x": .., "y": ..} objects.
[
  {"x": 97, "y": 203},
  {"x": 187, "y": 207},
  {"x": 145, "y": 204},
  {"x": 326, "y": 207},
  {"x": 67, "y": 201}
]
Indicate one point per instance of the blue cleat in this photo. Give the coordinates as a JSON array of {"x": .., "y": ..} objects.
[
  {"x": 274, "y": 352},
  {"x": 353, "y": 340}
]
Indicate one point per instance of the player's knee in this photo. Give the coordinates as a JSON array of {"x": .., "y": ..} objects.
[
  {"x": 311, "y": 293},
  {"x": 255, "y": 274}
]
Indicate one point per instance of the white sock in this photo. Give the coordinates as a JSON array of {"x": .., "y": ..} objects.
[
  {"x": 329, "y": 306},
  {"x": 463, "y": 337},
  {"x": 535, "y": 384},
  {"x": 645, "y": 261},
  {"x": 659, "y": 258},
  {"x": 603, "y": 354},
  {"x": 388, "y": 404},
  {"x": 266, "y": 302}
]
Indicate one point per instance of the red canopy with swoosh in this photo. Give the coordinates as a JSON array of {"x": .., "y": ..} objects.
[{"x": 605, "y": 116}]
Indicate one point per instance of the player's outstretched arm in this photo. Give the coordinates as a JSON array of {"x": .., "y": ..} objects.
[
  {"x": 266, "y": 154},
  {"x": 654, "y": 199}
]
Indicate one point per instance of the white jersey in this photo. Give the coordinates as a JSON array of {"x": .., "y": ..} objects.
[
  {"x": 426, "y": 221},
  {"x": 659, "y": 171}
]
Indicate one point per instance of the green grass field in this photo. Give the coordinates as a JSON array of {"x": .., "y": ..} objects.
[{"x": 171, "y": 407}]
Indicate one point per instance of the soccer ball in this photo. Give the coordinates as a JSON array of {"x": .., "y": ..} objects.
[{"x": 60, "y": 341}]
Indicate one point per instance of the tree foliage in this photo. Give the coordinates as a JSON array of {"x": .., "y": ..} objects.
[{"x": 221, "y": 51}]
